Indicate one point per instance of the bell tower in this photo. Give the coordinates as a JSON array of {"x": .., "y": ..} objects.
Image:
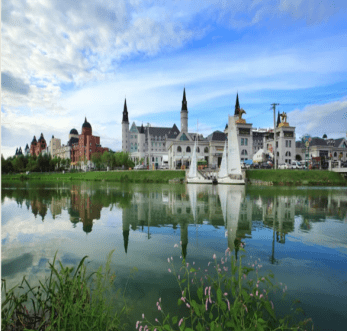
[
  {"x": 184, "y": 113},
  {"x": 125, "y": 129}
]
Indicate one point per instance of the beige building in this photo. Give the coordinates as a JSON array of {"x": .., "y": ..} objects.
[
  {"x": 334, "y": 149},
  {"x": 63, "y": 151},
  {"x": 285, "y": 142}
]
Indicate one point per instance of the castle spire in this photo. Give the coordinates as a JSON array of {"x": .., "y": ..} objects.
[
  {"x": 237, "y": 105},
  {"x": 125, "y": 112},
  {"x": 184, "y": 101}
]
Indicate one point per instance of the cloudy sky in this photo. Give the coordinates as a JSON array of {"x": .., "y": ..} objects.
[{"x": 64, "y": 60}]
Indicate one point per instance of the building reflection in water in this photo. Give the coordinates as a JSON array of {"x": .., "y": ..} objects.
[{"x": 222, "y": 206}]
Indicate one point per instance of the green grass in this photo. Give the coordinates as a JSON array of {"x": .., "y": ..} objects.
[
  {"x": 67, "y": 300},
  {"x": 133, "y": 176},
  {"x": 236, "y": 298},
  {"x": 298, "y": 177}
]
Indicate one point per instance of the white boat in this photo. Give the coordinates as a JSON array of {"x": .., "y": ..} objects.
[
  {"x": 194, "y": 176},
  {"x": 230, "y": 170}
]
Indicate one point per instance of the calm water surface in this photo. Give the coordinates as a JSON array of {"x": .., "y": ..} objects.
[{"x": 300, "y": 234}]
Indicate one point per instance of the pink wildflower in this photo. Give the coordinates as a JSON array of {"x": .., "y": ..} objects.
[
  {"x": 263, "y": 278},
  {"x": 171, "y": 258},
  {"x": 159, "y": 308},
  {"x": 225, "y": 293},
  {"x": 272, "y": 305},
  {"x": 251, "y": 294},
  {"x": 256, "y": 293},
  {"x": 143, "y": 315},
  {"x": 156, "y": 320},
  {"x": 228, "y": 304},
  {"x": 140, "y": 328},
  {"x": 187, "y": 304},
  {"x": 246, "y": 308},
  {"x": 137, "y": 324},
  {"x": 208, "y": 264},
  {"x": 180, "y": 322},
  {"x": 175, "y": 245},
  {"x": 193, "y": 263},
  {"x": 183, "y": 299},
  {"x": 253, "y": 265},
  {"x": 260, "y": 296},
  {"x": 257, "y": 285},
  {"x": 214, "y": 256},
  {"x": 169, "y": 270},
  {"x": 179, "y": 277},
  {"x": 168, "y": 260},
  {"x": 159, "y": 299},
  {"x": 206, "y": 304}
]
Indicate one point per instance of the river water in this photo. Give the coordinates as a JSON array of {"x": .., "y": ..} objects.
[{"x": 300, "y": 234}]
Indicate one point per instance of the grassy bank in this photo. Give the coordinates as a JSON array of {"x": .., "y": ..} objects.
[
  {"x": 297, "y": 177},
  {"x": 132, "y": 176},
  {"x": 235, "y": 298}
]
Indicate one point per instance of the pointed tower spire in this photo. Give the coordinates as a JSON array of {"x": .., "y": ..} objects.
[
  {"x": 125, "y": 112},
  {"x": 278, "y": 119},
  {"x": 237, "y": 105},
  {"x": 184, "y": 101}
]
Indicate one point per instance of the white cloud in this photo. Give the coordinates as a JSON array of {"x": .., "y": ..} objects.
[{"x": 329, "y": 118}]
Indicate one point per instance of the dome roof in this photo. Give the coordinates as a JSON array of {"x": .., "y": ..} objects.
[
  {"x": 86, "y": 124},
  {"x": 74, "y": 131}
]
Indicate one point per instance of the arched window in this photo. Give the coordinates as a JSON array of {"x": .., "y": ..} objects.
[
  {"x": 335, "y": 154},
  {"x": 179, "y": 149},
  {"x": 288, "y": 154},
  {"x": 188, "y": 149},
  {"x": 198, "y": 149},
  {"x": 244, "y": 152},
  {"x": 206, "y": 150}
]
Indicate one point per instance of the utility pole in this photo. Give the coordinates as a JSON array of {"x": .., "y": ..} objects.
[{"x": 275, "y": 149}]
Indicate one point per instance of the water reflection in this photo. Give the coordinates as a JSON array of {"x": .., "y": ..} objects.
[{"x": 229, "y": 207}]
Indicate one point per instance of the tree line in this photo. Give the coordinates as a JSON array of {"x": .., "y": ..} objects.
[{"x": 44, "y": 163}]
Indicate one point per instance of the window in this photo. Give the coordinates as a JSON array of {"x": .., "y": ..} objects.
[
  {"x": 286, "y": 143},
  {"x": 276, "y": 144},
  {"x": 198, "y": 149},
  {"x": 188, "y": 149},
  {"x": 335, "y": 154},
  {"x": 179, "y": 149},
  {"x": 290, "y": 143},
  {"x": 242, "y": 142},
  {"x": 246, "y": 141},
  {"x": 152, "y": 159},
  {"x": 206, "y": 150},
  {"x": 244, "y": 152},
  {"x": 278, "y": 154}
]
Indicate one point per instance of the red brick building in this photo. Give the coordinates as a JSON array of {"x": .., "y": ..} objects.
[
  {"x": 37, "y": 147},
  {"x": 86, "y": 146}
]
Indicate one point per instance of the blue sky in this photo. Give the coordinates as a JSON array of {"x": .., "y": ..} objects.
[{"x": 64, "y": 60}]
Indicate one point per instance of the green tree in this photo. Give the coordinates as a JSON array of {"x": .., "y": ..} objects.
[
  {"x": 18, "y": 164},
  {"x": 96, "y": 159},
  {"x": 107, "y": 159}
]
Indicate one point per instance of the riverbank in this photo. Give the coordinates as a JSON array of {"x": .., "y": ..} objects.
[
  {"x": 266, "y": 177},
  {"x": 141, "y": 176},
  {"x": 281, "y": 177}
]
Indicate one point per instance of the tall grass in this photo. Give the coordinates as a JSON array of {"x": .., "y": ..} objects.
[
  {"x": 228, "y": 297},
  {"x": 67, "y": 300},
  {"x": 230, "y": 300}
]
